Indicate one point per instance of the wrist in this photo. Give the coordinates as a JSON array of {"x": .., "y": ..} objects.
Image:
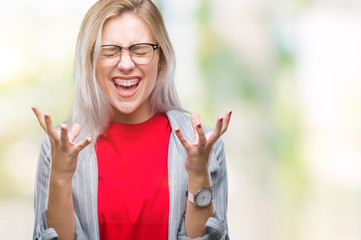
[
  {"x": 196, "y": 182},
  {"x": 59, "y": 180}
]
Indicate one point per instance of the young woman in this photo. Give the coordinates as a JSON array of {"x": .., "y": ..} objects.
[{"x": 133, "y": 165}]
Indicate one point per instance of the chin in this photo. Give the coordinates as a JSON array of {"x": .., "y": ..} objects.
[{"x": 125, "y": 109}]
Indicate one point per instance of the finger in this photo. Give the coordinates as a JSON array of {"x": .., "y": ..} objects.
[
  {"x": 195, "y": 121},
  {"x": 64, "y": 138},
  {"x": 39, "y": 116},
  {"x": 50, "y": 130},
  {"x": 80, "y": 146},
  {"x": 202, "y": 137},
  {"x": 216, "y": 131},
  {"x": 196, "y": 136},
  {"x": 74, "y": 132},
  {"x": 186, "y": 144},
  {"x": 226, "y": 121}
]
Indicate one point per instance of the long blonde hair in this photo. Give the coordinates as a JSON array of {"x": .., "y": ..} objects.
[{"x": 91, "y": 107}]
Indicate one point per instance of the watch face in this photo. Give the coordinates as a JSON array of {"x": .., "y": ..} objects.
[{"x": 204, "y": 197}]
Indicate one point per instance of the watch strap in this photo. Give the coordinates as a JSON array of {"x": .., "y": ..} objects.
[{"x": 190, "y": 197}]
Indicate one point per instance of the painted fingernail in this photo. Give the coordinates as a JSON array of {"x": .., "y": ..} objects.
[
  {"x": 220, "y": 119},
  {"x": 230, "y": 113},
  {"x": 177, "y": 130},
  {"x": 199, "y": 125}
]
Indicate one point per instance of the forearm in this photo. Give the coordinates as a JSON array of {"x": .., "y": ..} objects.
[
  {"x": 196, "y": 217},
  {"x": 60, "y": 211},
  {"x": 197, "y": 164}
]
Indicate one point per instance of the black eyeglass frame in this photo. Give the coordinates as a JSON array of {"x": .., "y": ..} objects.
[{"x": 154, "y": 46}]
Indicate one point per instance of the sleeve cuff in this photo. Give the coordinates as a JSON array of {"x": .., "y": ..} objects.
[
  {"x": 48, "y": 234},
  {"x": 216, "y": 229},
  {"x": 43, "y": 230}
]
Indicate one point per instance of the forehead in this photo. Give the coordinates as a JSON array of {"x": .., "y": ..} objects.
[{"x": 125, "y": 30}]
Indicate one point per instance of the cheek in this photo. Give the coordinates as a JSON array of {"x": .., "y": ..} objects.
[
  {"x": 150, "y": 74},
  {"x": 100, "y": 74},
  {"x": 152, "y": 78},
  {"x": 153, "y": 71}
]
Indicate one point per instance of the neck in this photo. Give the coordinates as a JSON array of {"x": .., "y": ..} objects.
[{"x": 138, "y": 116}]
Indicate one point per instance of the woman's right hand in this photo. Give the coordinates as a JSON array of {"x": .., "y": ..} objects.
[{"x": 64, "y": 152}]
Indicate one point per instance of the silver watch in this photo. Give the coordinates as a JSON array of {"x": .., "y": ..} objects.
[{"x": 202, "y": 198}]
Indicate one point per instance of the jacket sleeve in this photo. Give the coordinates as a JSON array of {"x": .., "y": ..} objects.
[
  {"x": 216, "y": 227},
  {"x": 41, "y": 190}
]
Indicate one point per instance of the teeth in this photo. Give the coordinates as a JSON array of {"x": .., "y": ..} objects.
[{"x": 126, "y": 83}]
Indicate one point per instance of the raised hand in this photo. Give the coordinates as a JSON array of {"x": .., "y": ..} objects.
[
  {"x": 198, "y": 152},
  {"x": 64, "y": 152}
]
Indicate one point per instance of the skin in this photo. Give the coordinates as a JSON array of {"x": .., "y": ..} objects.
[
  {"x": 133, "y": 109},
  {"x": 137, "y": 108},
  {"x": 197, "y": 165},
  {"x": 64, "y": 154}
]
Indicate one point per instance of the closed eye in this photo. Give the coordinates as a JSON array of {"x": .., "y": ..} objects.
[{"x": 109, "y": 51}]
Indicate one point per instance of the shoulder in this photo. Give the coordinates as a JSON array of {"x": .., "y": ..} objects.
[
  {"x": 44, "y": 158},
  {"x": 45, "y": 147},
  {"x": 183, "y": 121},
  {"x": 180, "y": 119}
]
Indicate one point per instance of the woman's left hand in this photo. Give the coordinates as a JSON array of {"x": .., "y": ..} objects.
[{"x": 198, "y": 153}]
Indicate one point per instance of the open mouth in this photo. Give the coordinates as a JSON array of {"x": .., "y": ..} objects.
[{"x": 126, "y": 87}]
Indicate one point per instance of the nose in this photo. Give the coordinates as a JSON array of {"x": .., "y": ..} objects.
[{"x": 126, "y": 63}]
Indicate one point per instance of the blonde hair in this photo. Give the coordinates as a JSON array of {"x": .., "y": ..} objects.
[{"x": 91, "y": 108}]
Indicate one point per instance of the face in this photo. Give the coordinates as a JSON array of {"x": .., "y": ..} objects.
[{"x": 128, "y": 86}]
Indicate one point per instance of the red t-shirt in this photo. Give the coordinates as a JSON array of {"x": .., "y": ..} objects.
[{"x": 133, "y": 193}]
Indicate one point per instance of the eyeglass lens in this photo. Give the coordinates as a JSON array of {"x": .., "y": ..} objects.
[{"x": 140, "y": 54}]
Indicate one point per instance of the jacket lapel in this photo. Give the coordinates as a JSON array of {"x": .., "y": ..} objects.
[{"x": 177, "y": 175}]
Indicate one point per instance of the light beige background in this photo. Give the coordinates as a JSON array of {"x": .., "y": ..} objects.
[{"x": 289, "y": 70}]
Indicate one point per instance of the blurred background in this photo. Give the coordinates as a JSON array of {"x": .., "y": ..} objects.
[{"x": 289, "y": 70}]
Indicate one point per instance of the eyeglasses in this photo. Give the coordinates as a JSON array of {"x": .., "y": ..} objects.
[{"x": 140, "y": 53}]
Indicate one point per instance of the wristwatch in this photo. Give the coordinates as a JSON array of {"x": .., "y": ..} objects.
[{"x": 202, "y": 198}]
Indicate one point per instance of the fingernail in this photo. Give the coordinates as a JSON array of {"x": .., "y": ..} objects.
[
  {"x": 230, "y": 113},
  {"x": 220, "y": 119},
  {"x": 177, "y": 130},
  {"x": 199, "y": 125}
]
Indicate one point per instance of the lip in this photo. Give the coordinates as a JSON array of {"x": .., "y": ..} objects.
[{"x": 130, "y": 93}]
